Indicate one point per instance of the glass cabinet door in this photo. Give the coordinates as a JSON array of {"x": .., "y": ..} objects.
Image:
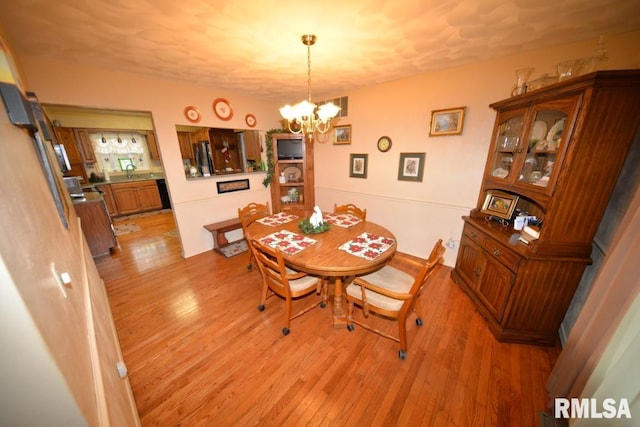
[
  {"x": 545, "y": 140},
  {"x": 506, "y": 145}
]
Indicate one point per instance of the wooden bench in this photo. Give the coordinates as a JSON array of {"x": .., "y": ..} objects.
[{"x": 217, "y": 230}]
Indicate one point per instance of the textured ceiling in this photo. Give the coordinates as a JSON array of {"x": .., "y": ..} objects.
[{"x": 253, "y": 46}]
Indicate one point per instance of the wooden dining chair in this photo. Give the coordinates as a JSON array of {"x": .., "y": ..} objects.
[
  {"x": 248, "y": 215},
  {"x": 278, "y": 279},
  {"x": 392, "y": 293},
  {"x": 350, "y": 209}
]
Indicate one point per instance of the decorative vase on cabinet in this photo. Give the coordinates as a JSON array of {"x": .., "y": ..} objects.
[{"x": 556, "y": 153}]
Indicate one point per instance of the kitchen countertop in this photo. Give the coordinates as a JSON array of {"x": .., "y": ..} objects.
[
  {"x": 89, "y": 197},
  {"x": 135, "y": 178}
]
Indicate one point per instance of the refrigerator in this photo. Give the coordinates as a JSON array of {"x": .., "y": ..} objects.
[{"x": 204, "y": 160}]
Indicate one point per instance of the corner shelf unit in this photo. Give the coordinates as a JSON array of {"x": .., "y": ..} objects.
[{"x": 298, "y": 175}]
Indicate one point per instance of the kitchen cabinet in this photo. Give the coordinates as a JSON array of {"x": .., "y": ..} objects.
[
  {"x": 186, "y": 148},
  {"x": 556, "y": 154},
  {"x": 298, "y": 177},
  {"x": 67, "y": 138},
  {"x": 149, "y": 196},
  {"x": 109, "y": 201},
  {"x": 252, "y": 146},
  {"x": 134, "y": 197},
  {"x": 96, "y": 224},
  {"x": 84, "y": 145},
  {"x": 152, "y": 145}
]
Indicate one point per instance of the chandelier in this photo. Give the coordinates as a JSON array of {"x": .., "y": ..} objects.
[{"x": 305, "y": 116}]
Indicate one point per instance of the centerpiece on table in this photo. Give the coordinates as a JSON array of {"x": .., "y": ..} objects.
[{"x": 314, "y": 224}]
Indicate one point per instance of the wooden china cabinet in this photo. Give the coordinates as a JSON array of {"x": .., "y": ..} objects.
[
  {"x": 297, "y": 172},
  {"x": 556, "y": 154}
]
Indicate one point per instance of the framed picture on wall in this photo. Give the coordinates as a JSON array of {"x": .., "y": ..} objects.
[
  {"x": 235, "y": 185},
  {"x": 342, "y": 135},
  {"x": 447, "y": 122},
  {"x": 411, "y": 167},
  {"x": 358, "y": 165}
]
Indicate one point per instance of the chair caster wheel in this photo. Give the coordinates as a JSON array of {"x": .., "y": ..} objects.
[
  {"x": 249, "y": 267},
  {"x": 419, "y": 321},
  {"x": 285, "y": 331},
  {"x": 350, "y": 327},
  {"x": 323, "y": 305},
  {"x": 261, "y": 307},
  {"x": 402, "y": 355}
]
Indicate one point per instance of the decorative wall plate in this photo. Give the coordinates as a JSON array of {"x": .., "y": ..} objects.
[
  {"x": 250, "y": 119},
  {"x": 223, "y": 109},
  {"x": 192, "y": 114},
  {"x": 556, "y": 130},
  {"x": 292, "y": 173},
  {"x": 539, "y": 130}
]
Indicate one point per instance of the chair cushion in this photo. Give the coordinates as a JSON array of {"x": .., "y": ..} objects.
[
  {"x": 389, "y": 278},
  {"x": 301, "y": 283}
]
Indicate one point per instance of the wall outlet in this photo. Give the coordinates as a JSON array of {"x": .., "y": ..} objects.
[{"x": 450, "y": 243}]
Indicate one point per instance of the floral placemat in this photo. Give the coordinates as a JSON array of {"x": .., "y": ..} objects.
[
  {"x": 367, "y": 245},
  {"x": 277, "y": 219},
  {"x": 287, "y": 241},
  {"x": 342, "y": 220}
]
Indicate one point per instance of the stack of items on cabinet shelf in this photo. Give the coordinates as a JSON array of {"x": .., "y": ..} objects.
[
  {"x": 555, "y": 155},
  {"x": 529, "y": 233}
]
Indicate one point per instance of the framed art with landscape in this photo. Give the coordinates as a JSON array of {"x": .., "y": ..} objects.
[
  {"x": 447, "y": 122},
  {"x": 342, "y": 135}
]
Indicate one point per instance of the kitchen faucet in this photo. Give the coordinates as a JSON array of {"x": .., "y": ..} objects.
[{"x": 130, "y": 170}]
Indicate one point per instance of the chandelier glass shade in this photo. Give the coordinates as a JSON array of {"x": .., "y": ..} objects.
[{"x": 305, "y": 116}]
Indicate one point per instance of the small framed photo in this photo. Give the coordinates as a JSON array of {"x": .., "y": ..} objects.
[
  {"x": 358, "y": 165},
  {"x": 411, "y": 167},
  {"x": 229, "y": 186},
  {"x": 499, "y": 204},
  {"x": 342, "y": 135},
  {"x": 447, "y": 122}
]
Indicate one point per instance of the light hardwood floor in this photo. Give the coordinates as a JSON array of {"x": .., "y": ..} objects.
[{"x": 200, "y": 353}]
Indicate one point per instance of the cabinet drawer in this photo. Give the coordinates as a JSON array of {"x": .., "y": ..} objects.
[
  {"x": 474, "y": 235},
  {"x": 502, "y": 253},
  {"x": 497, "y": 250}
]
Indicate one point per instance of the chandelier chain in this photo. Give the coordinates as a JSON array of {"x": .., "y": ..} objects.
[{"x": 309, "y": 72}]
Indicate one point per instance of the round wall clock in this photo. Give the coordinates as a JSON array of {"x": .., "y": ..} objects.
[
  {"x": 384, "y": 144},
  {"x": 192, "y": 114},
  {"x": 251, "y": 120},
  {"x": 223, "y": 109}
]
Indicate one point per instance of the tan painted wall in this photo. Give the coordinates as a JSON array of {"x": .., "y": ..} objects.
[
  {"x": 420, "y": 213},
  {"x": 48, "y": 368},
  {"x": 59, "y": 345},
  {"x": 400, "y": 109}
]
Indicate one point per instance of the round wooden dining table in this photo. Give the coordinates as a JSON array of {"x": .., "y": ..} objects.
[{"x": 326, "y": 260}]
